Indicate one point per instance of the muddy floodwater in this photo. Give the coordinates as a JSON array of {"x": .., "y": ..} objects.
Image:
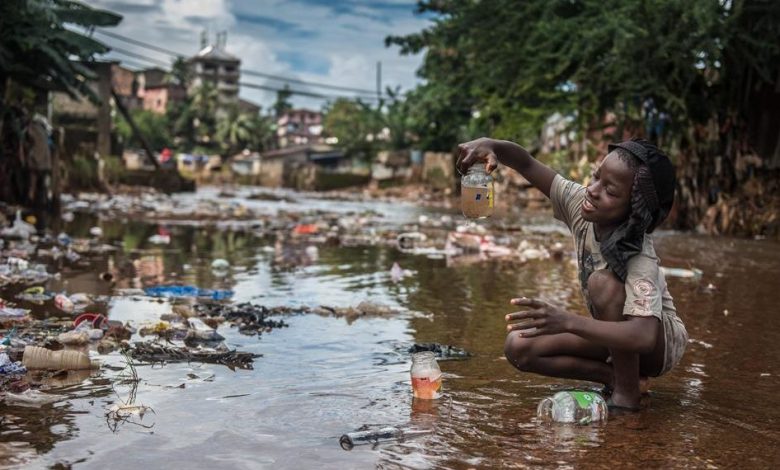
[{"x": 325, "y": 375}]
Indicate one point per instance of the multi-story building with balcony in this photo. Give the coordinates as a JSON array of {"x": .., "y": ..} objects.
[
  {"x": 222, "y": 70},
  {"x": 299, "y": 127}
]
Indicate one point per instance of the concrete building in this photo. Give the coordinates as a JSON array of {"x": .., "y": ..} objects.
[
  {"x": 222, "y": 70},
  {"x": 247, "y": 107},
  {"x": 299, "y": 127},
  {"x": 150, "y": 78},
  {"x": 157, "y": 98}
]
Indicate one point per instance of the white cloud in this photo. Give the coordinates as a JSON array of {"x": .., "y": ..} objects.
[{"x": 319, "y": 42}]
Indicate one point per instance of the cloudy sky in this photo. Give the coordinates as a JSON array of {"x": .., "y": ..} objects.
[{"x": 336, "y": 42}]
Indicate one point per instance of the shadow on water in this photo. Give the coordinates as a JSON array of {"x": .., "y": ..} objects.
[{"x": 324, "y": 376}]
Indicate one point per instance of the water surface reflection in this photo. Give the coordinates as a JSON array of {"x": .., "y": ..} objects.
[{"x": 324, "y": 376}]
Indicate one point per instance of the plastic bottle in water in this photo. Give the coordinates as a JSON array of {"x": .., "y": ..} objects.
[
  {"x": 573, "y": 406},
  {"x": 379, "y": 436}
]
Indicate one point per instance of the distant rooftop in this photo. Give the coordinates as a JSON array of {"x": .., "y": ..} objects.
[{"x": 215, "y": 53}]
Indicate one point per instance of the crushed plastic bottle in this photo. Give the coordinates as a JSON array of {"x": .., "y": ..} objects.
[
  {"x": 573, "y": 406},
  {"x": 378, "y": 436}
]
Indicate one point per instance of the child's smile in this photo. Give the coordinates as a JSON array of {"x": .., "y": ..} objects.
[{"x": 608, "y": 197}]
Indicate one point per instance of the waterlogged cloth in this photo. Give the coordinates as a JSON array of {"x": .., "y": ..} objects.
[{"x": 646, "y": 290}]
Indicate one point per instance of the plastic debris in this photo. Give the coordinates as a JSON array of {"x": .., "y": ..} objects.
[
  {"x": 120, "y": 412},
  {"x": 36, "y": 357},
  {"x": 19, "y": 229},
  {"x": 220, "y": 264},
  {"x": 74, "y": 338},
  {"x": 95, "y": 320},
  {"x": 158, "y": 239},
  {"x": 8, "y": 367},
  {"x": 443, "y": 352},
  {"x": 35, "y": 295},
  {"x": 96, "y": 232},
  {"x": 408, "y": 241},
  {"x": 62, "y": 302},
  {"x": 305, "y": 229},
  {"x": 187, "y": 291},
  {"x": 7, "y": 312},
  {"x": 64, "y": 239},
  {"x": 200, "y": 331},
  {"x": 397, "y": 273},
  {"x": 694, "y": 273},
  {"x": 80, "y": 301},
  {"x": 30, "y": 397},
  {"x": 373, "y": 437}
]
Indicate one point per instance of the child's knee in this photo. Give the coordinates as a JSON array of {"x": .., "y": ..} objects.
[
  {"x": 607, "y": 294},
  {"x": 519, "y": 351}
]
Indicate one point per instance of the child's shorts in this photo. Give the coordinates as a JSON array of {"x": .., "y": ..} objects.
[{"x": 675, "y": 340}]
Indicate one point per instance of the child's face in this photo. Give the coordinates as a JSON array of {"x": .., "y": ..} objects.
[{"x": 608, "y": 197}]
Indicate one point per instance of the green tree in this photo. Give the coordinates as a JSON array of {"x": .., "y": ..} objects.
[
  {"x": 153, "y": 126},
  {"x": 181, "y": 121},
  {"x": 203, "y": 106},
  {"x": 282, "y": 103},
  {"x": 355, "y": 124},
  {"x": 181, "y": 72},
  {"x": 397, "y": 118},
  {"x": 690, "y": 73},
  {"x": 238, "y": 131}
]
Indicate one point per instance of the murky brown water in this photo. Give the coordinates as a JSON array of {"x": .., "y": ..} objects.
[{"x": 323, "y": 376}]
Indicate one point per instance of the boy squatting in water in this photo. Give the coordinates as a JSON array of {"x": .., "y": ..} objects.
[{"x": 634, "y": 331}]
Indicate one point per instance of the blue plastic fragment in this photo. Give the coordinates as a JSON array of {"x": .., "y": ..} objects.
[{"x": 187, "y": 291}]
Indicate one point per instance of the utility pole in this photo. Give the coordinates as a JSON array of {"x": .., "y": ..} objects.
[{"x": 379, "y": 80}]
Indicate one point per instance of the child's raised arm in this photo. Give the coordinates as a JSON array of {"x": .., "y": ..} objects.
[{"x": 492, "y": 152}]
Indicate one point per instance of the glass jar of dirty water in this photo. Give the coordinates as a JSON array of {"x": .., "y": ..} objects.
[
  {"x": 426, "y": 376},
  {"x": 476, "y": 193},
  {"x": 573, "y": 406}
]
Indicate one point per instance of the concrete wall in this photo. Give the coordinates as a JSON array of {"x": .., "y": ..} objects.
[
  {"x": 439, "y": 169},
  {"x": 272, "y": 173}
]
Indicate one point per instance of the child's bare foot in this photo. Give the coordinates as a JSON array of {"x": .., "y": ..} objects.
[
  {"x": 618, "y": 402},
  {"x": 644, "y": 387}
]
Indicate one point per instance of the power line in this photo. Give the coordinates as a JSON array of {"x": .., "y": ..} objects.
[
  {"x": 304, "y": 93},
  {"x": 243, "y": 71},
  {"x": 249, "y": 84},
  {"x": 139, "y": 56}
]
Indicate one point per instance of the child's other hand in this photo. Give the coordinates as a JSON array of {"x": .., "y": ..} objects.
[
  {"x": 477, "y": 151},
  {"x": 546, "y": 318}
]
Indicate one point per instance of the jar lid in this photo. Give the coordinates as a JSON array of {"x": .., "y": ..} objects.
[{"x": 423, "y": 355}]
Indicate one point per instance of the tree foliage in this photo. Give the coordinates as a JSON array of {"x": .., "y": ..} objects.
[
  {"x": 504, "y": 66},
  {"x": 153, "y": 126},
  {"x": 36, "y": 48},
  {"x": 355, "y": 124},
  {"x": 239, "y": 131}
]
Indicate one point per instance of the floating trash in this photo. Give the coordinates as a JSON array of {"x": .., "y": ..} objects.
[
  {"x": 187, "y": 291},
  {"x": 694, "y": 273},
  {"x": 373, "y": 437}
]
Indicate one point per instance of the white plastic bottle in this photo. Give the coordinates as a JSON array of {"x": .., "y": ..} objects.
[
  {"x": 426, "y": 376},
  {"x": 573, "y": 406}
]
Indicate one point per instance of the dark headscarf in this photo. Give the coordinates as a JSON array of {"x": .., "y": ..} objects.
[{"x": 652, "y": 196}]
